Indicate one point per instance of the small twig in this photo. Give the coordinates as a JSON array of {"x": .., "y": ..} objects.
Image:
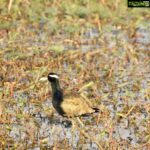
[{"x": 129, "y": 111}]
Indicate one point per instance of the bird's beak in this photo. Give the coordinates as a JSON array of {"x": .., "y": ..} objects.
[{"x": 43, "y": 79}]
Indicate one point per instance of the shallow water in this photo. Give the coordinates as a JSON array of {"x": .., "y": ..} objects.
[{"x": 39, "y": 130}]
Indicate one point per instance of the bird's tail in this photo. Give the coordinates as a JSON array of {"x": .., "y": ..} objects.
[{"x": 96, "y": 109}]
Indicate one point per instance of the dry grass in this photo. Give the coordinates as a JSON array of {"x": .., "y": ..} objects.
[{"x": 97, "y": 55}]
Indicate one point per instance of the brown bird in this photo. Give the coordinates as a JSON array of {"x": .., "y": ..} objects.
[{"x": 71, "y": 106}]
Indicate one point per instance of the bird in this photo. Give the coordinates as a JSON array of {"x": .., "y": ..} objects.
[{"x": 68, "y": 106}]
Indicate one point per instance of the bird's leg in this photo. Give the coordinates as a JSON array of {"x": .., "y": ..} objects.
[
  {"x": 80, "y": 122},
  {"x": 73, "y": 129}
]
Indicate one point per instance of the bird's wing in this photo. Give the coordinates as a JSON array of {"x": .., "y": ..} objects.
[{"x": 76, "y": 107}]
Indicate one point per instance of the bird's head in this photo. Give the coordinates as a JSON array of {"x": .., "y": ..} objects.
[{"x": 53, "y": 77}]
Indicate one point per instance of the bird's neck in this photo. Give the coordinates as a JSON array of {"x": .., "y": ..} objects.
[{"x": 57, "y": 93}]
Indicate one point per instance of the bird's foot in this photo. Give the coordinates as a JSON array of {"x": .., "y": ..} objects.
[{"x": 67, "y": 123}]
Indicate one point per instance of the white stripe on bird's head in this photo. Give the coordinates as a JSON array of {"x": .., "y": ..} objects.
[{"x": 54, "y": 76}]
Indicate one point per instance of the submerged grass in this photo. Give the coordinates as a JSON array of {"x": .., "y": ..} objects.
[{"x": 101, "y": 51}]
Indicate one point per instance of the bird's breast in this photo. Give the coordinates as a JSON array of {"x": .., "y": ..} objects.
[{"x": 57, "y": 106}]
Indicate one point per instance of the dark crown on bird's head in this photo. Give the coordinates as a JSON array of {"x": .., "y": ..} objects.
[{"x": 52, "y": 77}]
